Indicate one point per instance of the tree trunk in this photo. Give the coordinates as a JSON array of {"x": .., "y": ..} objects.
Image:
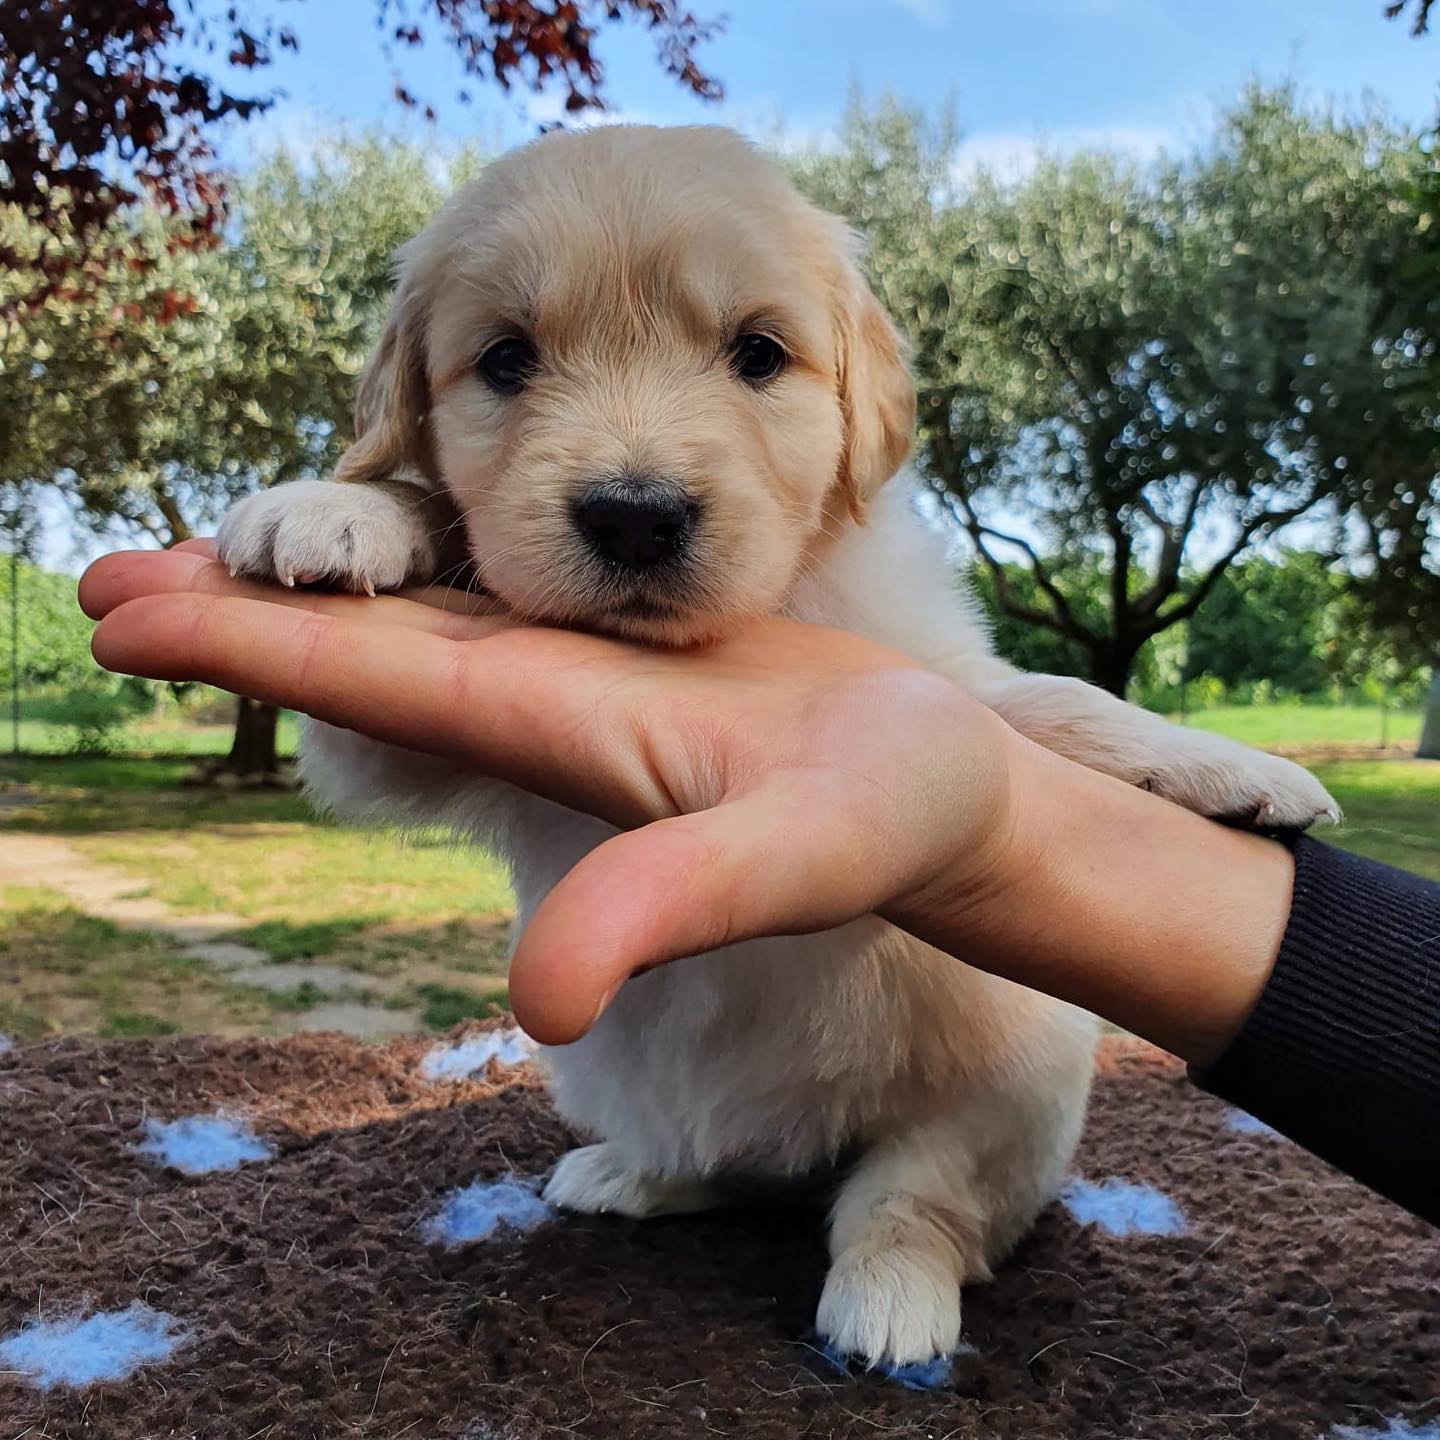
[
  {"x": 252, "y": 752},
  {"x": 1110, "y": 668},
  {"x": 1430, "y": 735}
]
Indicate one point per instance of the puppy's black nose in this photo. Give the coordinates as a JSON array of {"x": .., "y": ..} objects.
[{"x": 638, "y": 526}]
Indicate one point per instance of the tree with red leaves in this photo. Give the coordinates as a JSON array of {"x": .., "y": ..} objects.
[
  {"x": 1417, "y": 11},
  {"x": 104, "y": 102}
]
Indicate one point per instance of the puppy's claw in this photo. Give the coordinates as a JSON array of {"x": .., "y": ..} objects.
[{"x": 317, "y": 532}]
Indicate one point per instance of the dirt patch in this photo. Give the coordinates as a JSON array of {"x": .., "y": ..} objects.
[
  {"x": 1316, "y": 751},
  {"x": 1293, "y": 1303}
]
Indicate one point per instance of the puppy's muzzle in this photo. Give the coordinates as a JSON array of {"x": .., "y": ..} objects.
[{"x": 636, "y": 524}]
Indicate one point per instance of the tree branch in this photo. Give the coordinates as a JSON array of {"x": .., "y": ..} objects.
[
  {"x": 170, "y": 512},
  {"x": 1062, "y": 620},
  {"x": 1172, "y": 554},
  {"x": 1266, "y": 520}
]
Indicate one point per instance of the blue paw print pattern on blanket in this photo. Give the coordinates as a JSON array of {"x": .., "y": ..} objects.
[
  {"x": 1242, "y": 1123},
  {"x": 919, "y": 1375},
  {"x": 107, "y": 1345},
  {"x": 477, "y": 1211},
  {"x": 471, "y": 1056},
  {"x": 1389, "y": 1430},
  {"x": 1120, "y": 1208},
  {"x": 198, "y": 1144}
]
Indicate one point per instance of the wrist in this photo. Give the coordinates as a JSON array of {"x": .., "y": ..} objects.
[
  {"x": 1115, "y": 900},
  {"x": 992, "y": 835}
]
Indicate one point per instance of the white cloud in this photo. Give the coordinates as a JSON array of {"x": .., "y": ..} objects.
[
  {"x": 309, "y": 132},
  {"x": 306, "y": 131},
  {"x": 1010, "y": 155},
  {"x": 760, "y": 119}
]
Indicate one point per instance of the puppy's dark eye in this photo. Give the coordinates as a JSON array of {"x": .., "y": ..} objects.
[
  {"x": 506, "y": 367},
  {"x": 758, "y": 358}
]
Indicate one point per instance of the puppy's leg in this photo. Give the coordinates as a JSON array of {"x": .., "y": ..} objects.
[
  {"x": 1205, "y": 773},
  {"x": 597, "y": 1180},
  {"x": 362, "y": 538},
  {"x": 907, "y": 1231},
  {"x": 935, "y": 1205}
]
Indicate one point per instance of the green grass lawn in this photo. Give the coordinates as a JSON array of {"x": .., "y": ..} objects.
[
  {"x": 170, "y": 733},
  {"x": 1271, "y": 726},
  {"x": 418, "y": 910},
  {"x": 1392, "y": 811},
  {"x": 62, "y": 971}
]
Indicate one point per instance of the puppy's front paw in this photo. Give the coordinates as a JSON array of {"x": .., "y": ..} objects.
[
  {"x": 1218, "y": 777},
  {"x": 319, "y": 532},
  {"x": 595, "y": 1180},
  {"x": 891, "y": 1307}
]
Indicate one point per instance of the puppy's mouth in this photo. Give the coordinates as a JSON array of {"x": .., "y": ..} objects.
[
  {"x": 643, "y": 607},
  {"x": 657, "y": 609},
  {"x": 660, "y": 609}
]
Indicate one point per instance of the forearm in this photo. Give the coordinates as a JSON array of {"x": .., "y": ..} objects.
[{"x": 1161, "y": 921}]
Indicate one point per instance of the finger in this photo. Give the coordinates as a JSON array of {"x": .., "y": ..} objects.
[
  {"x": 115, "y": 580},
  {"x": 510, "y": 702},
  {"x": 205, "y": 545},
  {"x": 678, "y": 888},
  {"x": 455, "y": 599}
]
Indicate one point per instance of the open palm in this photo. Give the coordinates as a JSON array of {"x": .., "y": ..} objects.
[{"x": 784, "y": 780}]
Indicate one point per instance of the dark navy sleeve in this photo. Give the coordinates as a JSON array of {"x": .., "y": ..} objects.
[{"x": 1342, "y": 1052}]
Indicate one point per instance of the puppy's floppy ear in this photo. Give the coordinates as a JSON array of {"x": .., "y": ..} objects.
[
  {"x": 877, "y": 395},
  {"x": 392, "y": 403}
]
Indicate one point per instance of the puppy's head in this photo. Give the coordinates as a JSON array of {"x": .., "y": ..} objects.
[{"x": 648, "y": 373}]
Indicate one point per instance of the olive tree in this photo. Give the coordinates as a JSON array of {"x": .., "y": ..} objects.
[
  {"x": 1155, "y": 368},
  {"x": 178, "y": 380}
]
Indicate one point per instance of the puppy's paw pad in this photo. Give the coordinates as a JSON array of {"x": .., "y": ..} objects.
[
  {"x": 890, "y": 1310},
  {"x": 317, "y": 531}
]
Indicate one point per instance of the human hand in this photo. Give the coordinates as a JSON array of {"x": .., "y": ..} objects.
[{"x": 785, "y": 780}]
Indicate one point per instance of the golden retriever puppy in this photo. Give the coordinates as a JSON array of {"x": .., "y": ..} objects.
[{"x": 651, "y": 382}]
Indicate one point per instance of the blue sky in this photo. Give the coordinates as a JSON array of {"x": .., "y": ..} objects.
[{"x": 1131, "y": 74}]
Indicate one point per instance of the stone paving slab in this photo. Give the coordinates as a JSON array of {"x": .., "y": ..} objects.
[{"x": 110, "y": 894}]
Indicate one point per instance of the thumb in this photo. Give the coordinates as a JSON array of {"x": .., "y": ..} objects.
[{"x": 774, "y": 861}]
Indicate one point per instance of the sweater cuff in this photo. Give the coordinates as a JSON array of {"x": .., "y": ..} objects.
[{"x": 1342, "y": 1051}]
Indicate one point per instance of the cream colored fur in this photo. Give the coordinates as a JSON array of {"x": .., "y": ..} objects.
[{"x": 632, "y": 257}]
